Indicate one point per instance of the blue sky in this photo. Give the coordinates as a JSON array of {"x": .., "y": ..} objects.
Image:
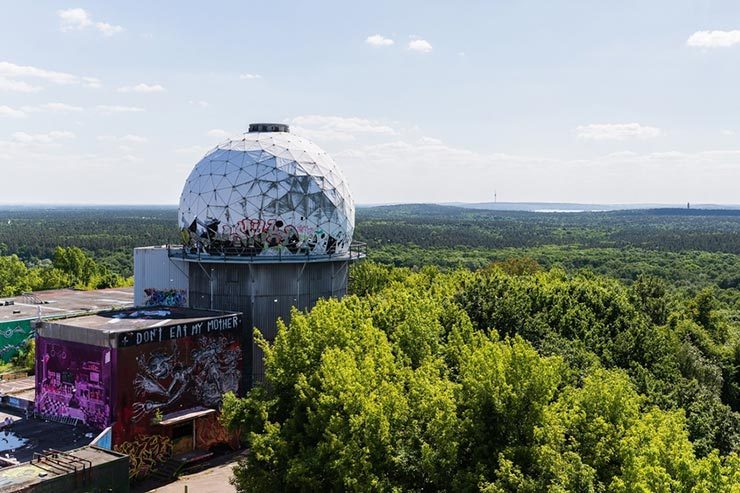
[{"x": 563, "y": 101}]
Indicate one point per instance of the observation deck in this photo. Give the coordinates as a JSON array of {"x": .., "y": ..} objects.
[{"x": 357, "y": 251}]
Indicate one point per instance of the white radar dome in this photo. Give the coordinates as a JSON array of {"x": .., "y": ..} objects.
[{"x": 268, "y": 193}]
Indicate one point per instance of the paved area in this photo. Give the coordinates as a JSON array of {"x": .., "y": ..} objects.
[
  {"x": 64, "y": 302},
  {"x": 212, "y": 478},
  {"x": 17, "y": 386},
  {"x": 12, "y": 416}
]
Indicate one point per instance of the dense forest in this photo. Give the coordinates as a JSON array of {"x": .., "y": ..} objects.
[
  {"x": 511, "y": 378},
  {"x": 685, "y": 246},
  {"x": 478, "y": 351},
  {"x": 436, "y": 226},
  {"x": 107, "y": 234}
]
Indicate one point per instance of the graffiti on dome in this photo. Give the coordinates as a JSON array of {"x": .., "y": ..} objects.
[
  {"x": 266, "y": 194},
  {"x": 262, "y": 237}
]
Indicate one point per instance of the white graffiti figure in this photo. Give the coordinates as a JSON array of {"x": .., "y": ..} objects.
[
  {"x": 150, "y": 383},
  {"x": 163, "y": 378},
  {"x": 218, "y": 370}
]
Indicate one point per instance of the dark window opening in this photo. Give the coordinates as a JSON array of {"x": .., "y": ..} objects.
[{"x": 183, "y": 430}]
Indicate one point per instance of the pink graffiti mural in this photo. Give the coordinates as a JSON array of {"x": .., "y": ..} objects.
[{"x": 73, "y": 380}]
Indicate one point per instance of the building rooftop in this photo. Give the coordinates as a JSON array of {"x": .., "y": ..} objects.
[
  {"x": 29, "y": 435},
  {"x": 19, "y": 387},
  {"x": 140, "y": 325},
  {"x": 63, "y": 303},
  {"x": 17, "y": 478}
]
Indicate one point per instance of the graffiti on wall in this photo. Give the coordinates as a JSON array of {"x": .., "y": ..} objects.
[
  {"x": 13, "y": 337},
  {"x": 161, "y": 380},
  {"x": 158, "y": 378},
  {"x": 73, "y": 380},
  {"x": 209, "y": 432},
  {"x": 219, "y": 370},
  {"x": 164, "y": 377},
  {"x": 181, "y": 330},
  {"x": 144, "y": 453},
  {"x": 165, "y": 297}
]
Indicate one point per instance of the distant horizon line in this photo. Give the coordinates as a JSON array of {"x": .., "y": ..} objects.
[{"x": 381, "y": 204}]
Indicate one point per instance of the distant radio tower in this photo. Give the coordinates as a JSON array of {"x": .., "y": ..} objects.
[{"x": 495, "y": 197}]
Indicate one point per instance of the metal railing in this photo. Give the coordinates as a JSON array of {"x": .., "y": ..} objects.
[
  {"x": 61, "y": 463},
  {"x": 356, "y": 251}
]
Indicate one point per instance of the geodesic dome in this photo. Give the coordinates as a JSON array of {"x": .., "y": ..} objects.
[{"x": 268, "y": 193}]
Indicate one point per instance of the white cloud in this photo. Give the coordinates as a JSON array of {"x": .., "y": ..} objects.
[
  {"x": 92, "y": 180},
  {"x": 108, "y": 29},
  {"x": 218, "y": 133},
  {"x": 60, "y": 107},
  {"x": 55, "y": 107},
  {"x": 728, "y": 132},
  {"x": 79, "y": 19},
  {"x": 142, "y": 88},
  {"x": 124, "y": 139},
  {"x": 74, "y": 19},
  {"x": 429, "y": 140},
  {"x": 425, "y": 169},
  {"x": 108, "y": 109},
  {"x": 338, "y": 128},
  {"x": 420, "y": 45},
  {"x": 11, "y": 112},
  {"x": 714, "y": 39},
  {"x": 91, "y": 82},
  {"x": 47, "y": 138},
  {"x": 29, "y": 149},
  {"x": 378, "y": 40},
  {"x": 200, "y": 104},
  {"x": 46, "y": 107},
  {"x": 616, "y": 131},
  {"x": 17, "y": 86},
  {"x": 250, "y": 76},
  {"x": 10, "y": 72}
]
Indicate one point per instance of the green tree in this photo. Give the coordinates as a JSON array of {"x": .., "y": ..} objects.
[{"x": 14, "y": 276}]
